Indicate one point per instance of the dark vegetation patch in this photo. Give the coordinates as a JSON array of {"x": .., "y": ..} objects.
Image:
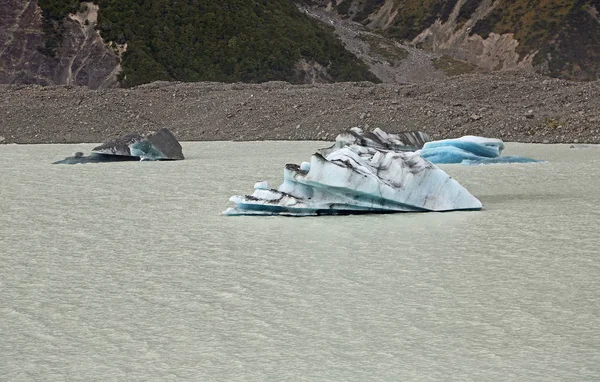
[
  {"x": 533, "y": 23},
  {"x": 416, "y": 15},
  {"x": 563, "y": 32},
  {"x": 369, "y": 7},
  {"x": 53, "y": 12},
  {"x": 574, "y": 51},
  {"x": 453, "y": 67},
  {"x": 447, "y": 9},
  {"x": 344, "y": 7},
  {"x": 466, "y": 11},
  {"x": 487, "y": 25},
  {"x": 227, "y": 41},
  {"x": 384, "y": 48}
]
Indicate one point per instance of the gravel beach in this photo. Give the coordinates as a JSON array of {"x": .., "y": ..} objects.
[{"x": 513, "y": 106}]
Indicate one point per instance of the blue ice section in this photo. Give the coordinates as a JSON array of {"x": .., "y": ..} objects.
[
  {"x": 474, "y": 148},
  {"x": 469, "y": 150},
  {"x": 448, "y": 154},
  {"x": 146, "y": 151}
]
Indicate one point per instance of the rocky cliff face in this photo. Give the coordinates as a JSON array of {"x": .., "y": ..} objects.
[
  {"x": 454, "y": 38},
  {"x": 556, "y": 37},
  {"x": 80, "y": 58}
]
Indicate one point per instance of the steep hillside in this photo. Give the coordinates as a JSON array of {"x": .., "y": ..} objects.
[
  {"x": 107, "y": 42},
  {"x": 390, "y": 60},
  {"x": 30, "y": 51},
  {"x": 556, "y": 37},
  {"x": 227, "y": 41}
]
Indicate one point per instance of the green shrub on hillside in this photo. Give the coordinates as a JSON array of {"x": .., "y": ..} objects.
[
  {"x": 210, "y": 40},
  {"x": 563, "y": 35},
  {"x": 416, "y": 15},
  {"x": 564, "y": 32}
]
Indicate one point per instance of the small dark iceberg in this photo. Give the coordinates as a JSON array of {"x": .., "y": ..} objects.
[
  {"x": 155, "y": 146},
  {"x": 79, "y": 158}
]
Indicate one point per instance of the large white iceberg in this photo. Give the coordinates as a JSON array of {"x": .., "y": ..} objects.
[
  {"x": 352, "y": 178},
  {"x": 469, "y": 150}
]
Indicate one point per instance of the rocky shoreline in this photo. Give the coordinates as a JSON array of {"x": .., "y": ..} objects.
[{"x": 512, "y": 106}]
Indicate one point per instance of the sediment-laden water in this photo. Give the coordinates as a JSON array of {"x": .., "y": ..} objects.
[{"x": 128, "y": 272}]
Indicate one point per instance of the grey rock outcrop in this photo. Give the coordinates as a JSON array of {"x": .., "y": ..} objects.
[
  {"x": 81, "y": 57},
  {"x": 561, "y": 40}
]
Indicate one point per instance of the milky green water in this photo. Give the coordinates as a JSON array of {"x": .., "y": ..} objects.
[{"x": 128, "y": 272}]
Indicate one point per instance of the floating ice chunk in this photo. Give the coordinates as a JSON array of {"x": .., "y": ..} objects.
[
  {"x": 483, "y": 147},
  {"x": 159, "y": 145},
  {"x": 357, "y": 179},
  {"x": 79, "y": 158},
  {"x": 305, "y": 166},
  {"x": 447, "y": 154},
  {"x": 262, "y": 185},
  {"x": 469, "y": 150},
  {"x": 371, "y": 172},
  {"x": 146, "y": 151}
]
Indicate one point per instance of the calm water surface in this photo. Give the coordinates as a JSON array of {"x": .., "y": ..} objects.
[{"x": 128, "y": 272}]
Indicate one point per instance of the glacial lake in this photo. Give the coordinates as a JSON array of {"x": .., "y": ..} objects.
[{"x": 129, "y": 272}]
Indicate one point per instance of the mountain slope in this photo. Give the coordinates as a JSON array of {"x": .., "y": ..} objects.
[
  {"x": 556, "y": 37},
  {"x": 228, "y": 41},
  {"x": 191, "y": 40},
  {"x": 30, "y": 52}
]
